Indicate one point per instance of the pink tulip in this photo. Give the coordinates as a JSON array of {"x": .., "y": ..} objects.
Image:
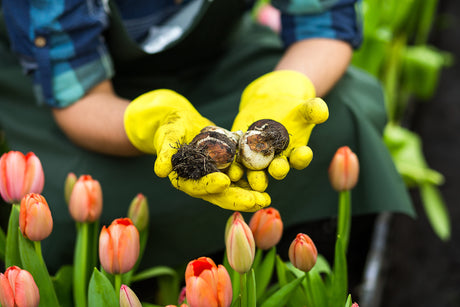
[
  {"x": 270, "y": 16},
  {"x": 207, "y": 285},
  {"x": 18, "y": 288},
  {"x": 303, "y": 253},
  {"x": 267, "y": 227},
  {"x": 128, "y": 298},
  {"x": 85, "y": 204},
  {"x": 240, "y": 244},
  {"x": 35, "y": 219},
  {"x": 119, "y": 246},
  {"x": 20, "y": 175},
  {"x": 344, "y": 169}
]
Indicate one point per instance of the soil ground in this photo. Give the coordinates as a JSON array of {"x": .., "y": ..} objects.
[{"x": 421, "y": 269}]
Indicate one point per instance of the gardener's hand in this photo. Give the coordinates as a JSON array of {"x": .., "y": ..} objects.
[
  {"x": 287, "y": 97},
  {"x": 157, "y": 123}
]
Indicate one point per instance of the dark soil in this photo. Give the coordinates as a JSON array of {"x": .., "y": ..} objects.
[{"x": 421, "y": 269}]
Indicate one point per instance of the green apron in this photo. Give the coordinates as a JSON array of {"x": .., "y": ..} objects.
[{"x": 211, "y": 66}]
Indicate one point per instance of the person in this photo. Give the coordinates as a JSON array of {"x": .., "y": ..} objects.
[{"x": 89, "y": 87}]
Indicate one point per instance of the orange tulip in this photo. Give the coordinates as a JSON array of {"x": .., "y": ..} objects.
[
  {"x": 303, "y": 253},
  {"x": 267, "y": 227},
  {"x": 344, "y": 169},
  {"x": 207, "y": 285},
  {"x": 20, "y": 175},
  {"x": 240, "y": 244},
  {"x": 18, "y": 288},
  {"x": 119, "y": 246},
  {"x": 85, "y": 203},
  {"x": 35, "y": 219}
]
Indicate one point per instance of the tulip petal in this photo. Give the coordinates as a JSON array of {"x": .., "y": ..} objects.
[
  {"x": 6, "y": 292},
  {"x": 25, "y": 290},
  {"x": 128, "y": 248},
  {"x": 224, "y": 287},
  {"x": 34, "y": 179},
  {"x": 200, "y": 293},
  {"x": 106, "y": 250}
]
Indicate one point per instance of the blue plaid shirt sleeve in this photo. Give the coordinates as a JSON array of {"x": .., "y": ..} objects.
[
  {"x": 60, "y": 44},
  {"x": 335, "y": 19}
]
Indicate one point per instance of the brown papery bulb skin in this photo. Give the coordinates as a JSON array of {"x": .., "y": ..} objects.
[
  {"x": 220, "y": 148},
  {"x": 274, "y": 133}
]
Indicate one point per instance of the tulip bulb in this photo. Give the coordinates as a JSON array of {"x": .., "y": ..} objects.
[
  {"x": 212, "y": 150},
  {"x": 264, "y": 139}
]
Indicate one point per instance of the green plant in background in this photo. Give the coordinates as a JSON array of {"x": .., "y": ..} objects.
[{"x": 395, "y": 50}]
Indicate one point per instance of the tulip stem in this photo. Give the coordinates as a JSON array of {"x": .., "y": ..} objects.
[
  {"x": 243, "y": 292},
  {"x": 117, "y": 283},
  {"x": 344, "y": 218},
  {"x": 80, "y": 273},
  {"x": 38, "y": 249}
]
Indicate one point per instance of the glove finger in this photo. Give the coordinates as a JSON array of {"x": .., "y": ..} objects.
[
  {"x": 235, "y": 171},
  {"x": 239, "y": 199},
  {"x": 167, "y": 140},
  {"x": 210, "y": 184},
  {"x": 300, "y": 157},
  {"x": 258, "y": 180},
  {"x": 279, "y": 167},
  {"x": 314, "y": 110}
]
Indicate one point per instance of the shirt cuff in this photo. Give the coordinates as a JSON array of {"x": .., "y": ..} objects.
[
  {"x": 341, "y": 23},
  {"x": 61, "y": 83}
]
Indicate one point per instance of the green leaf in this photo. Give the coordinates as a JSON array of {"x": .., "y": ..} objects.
[
  {"x": 281, "y": 271},
  {"x": 154, "y": 272},
  {"x": 280, "y": 297},
  {"x": 101, "y": 291},
  {"x": 348, "y": 302},
  {"x": 168, "y": 289},
  {"x": 436, "y": 210},
  {"x": 264, "y": 271},
  {"x": 62, "y": 282},
  {"x": 322, "y": 265},
  {"x": 34, "y": 263},
  {"x": 12, "y": 255}
]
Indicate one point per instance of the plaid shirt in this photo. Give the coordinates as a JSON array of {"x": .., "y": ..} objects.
[{"x": 60, "y": 42}]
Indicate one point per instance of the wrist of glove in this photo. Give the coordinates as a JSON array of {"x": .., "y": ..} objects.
[{"x": 289, "y": 98}]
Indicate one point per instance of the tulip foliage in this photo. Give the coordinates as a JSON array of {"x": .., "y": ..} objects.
[{"x": 106, "y": 259}]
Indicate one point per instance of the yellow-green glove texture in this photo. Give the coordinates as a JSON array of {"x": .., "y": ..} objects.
[
  {"x": 157, "y": 122},
  {"x": 287, "y": 97}
]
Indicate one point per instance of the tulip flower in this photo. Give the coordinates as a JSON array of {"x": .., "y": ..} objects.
[
  {"x": 119, "y": 246},
  {"x": 269, "y": 16},
  {"x": 303, "y": 253},
  {"x": 207, "y": 285},
  {"x": 18, "y": 288},
  {"x": 85, "y": 204},
  {"x": 267, "y": 227},
  {"x": 128, "y": 298},
  {"x": 35, "y": 219},
  {"x": 19, "y": 175},
  {"x": 240, "y": 244},
  {"x": 344, "y": 169},
  {"x": 138, "y": 212}
]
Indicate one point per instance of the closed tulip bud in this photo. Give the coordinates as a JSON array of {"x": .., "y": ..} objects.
[
  {"x": 18, "y": 288},
  {"x": 138, "y": 212},
  {"x": 35, "y": 219},
  {"x": 207, "y": 285},
  {"x": 267, "y": 227},
  {"x": 85, "y": 204},
  {"x": 128, "y": 298},
  {"x": 344, "y": 169},
  {"x": 70, "y": 181},
  {"x": 303, "y": 253},
  {"x": 20, "y": 175},
  {"x": 355, "y": 305},
  {"x": 119, "y": 246},
  {"x": 240, "y": 244}
]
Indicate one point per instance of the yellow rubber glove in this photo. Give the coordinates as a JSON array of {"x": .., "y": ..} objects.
[
  {"x": 287, "y": 97},
  {"x": 157, "y": 122}
]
